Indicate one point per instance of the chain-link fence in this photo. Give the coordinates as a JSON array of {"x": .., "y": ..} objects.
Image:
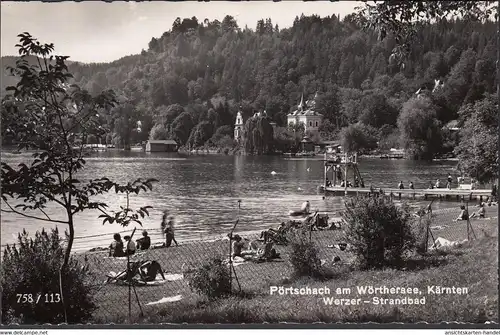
[{"x": 118, "y": 296}]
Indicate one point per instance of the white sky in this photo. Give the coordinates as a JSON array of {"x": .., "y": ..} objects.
[{"x": 101, "y": 32}]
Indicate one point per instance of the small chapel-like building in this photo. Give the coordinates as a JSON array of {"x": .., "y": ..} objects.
[
  {"x": 239, "y": 124},
  {"x": 238, "y": 127},
  {"x": 306, "y": 114}
]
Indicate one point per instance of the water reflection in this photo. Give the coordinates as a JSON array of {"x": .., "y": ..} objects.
[{"x": 203, "y": 191}]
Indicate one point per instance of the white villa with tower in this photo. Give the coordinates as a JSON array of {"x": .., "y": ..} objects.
[{"x": 306, "y": 114}]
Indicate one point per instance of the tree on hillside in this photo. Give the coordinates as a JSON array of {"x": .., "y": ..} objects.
[
  {"x": 477, "y": 155},
  {"x": 181, "y": 128},
  {"x": 200, "y": 134},
  {"x": 125, "y": 123},
  {"x": 400, "y": 20},
  {"x": 158, "y": 132},
  {"x": 357, "y": 138},
  {"x": 329, "y": 105},
  {"x": 270, "y": 69},
  {"x": 258, "y": 136},
  {"x": 49, "y": 112},
  {"x": 419, "y": 128},
  {"x": 376, "y": 110}
]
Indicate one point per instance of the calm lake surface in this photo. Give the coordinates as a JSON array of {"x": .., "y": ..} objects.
[{"x": 203, "y": 192}]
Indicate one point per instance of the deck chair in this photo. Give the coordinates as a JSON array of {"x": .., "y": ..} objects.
[{"x": 146, "y": 270}]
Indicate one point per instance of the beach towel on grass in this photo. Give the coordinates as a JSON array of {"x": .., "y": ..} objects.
[
  {"x": 438, "y": 227},
  {"x": 165, "y": 300},
  {"x": 440, "y": 243},
  {"x": 341, "y": 246}
]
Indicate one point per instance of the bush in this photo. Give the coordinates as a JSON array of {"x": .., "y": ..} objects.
[
  {"x": 379, "y": 231},
  {"x": 32, "y": 267},
  {"x": 420, "y": 233},
  {"x": 211, "y": 279},
  {"x": 305, "y": 258}
]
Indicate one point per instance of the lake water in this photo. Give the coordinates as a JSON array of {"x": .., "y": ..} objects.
[{"x": 203, "y": 192}]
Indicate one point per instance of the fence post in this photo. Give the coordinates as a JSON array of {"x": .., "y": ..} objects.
[
  {"x": 426, "y": 232},
  {"x": 468, "y": 222},
  {"x": 230, "y": 262}
]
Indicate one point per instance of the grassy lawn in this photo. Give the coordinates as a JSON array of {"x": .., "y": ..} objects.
[{"x": 474, "y": 266}]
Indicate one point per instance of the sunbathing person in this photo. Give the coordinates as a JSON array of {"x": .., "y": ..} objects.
[
  {"x": 237, "y": 246},
  {"x": 481, "y": 213},
  {"x": 268, "y": 252},
  {"x": 116, "y": 247},
  {"x": 149, "y": 270},
  {"x": 130, "y": 249},
  {"x": 277, "y": 235},
  {"x": 144, "y": 242},
  {"x": 306, "y": 207},
  {"x": 464, "y": 214}
]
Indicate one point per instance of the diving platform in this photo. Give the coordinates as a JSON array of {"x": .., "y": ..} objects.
[
  {"x": 441, "y": 193},
  {"x": 341, "y": 169}
]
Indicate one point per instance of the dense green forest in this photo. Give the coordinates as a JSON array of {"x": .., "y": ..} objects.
[{"x": 192, "y": 81}]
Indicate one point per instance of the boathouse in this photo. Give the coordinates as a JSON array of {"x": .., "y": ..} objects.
[
  {"x": 306, "y": 145},
  {"x": 161, "y": 146}
]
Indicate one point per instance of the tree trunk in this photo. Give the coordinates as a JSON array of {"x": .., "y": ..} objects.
[{"x": 71, "y": 237}]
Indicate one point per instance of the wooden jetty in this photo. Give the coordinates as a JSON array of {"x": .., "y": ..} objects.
[
  {"x": 341, "y": 168},
  {"x": 441, "y": 193}
]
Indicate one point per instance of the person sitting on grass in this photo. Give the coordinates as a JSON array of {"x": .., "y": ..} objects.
[
  {"x": 481, "y": 212},
  {"x": 306, "y": 207},
  {"x": 149, "y": 270},
  {"x": 130, "y": 249},
  {"x": 144, "y": 242},
  {"x": 268, "y": 252},
  {"x": 116, "y": 247},
  {"x": 464, "y": 214},
  {"x": 278, "y": 235},
  {"x": 237, "y": 246}
]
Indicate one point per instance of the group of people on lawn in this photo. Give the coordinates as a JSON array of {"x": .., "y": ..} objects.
[{"x": 118, "y": 249}]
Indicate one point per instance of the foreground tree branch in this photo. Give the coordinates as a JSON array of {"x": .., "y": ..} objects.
[{"x": 50, "y": 116}]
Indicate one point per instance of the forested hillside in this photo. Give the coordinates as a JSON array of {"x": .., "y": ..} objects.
[{"x": 192, "y": 80}]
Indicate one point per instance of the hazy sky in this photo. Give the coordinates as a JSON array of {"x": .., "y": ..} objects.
[{"x": 101, "y": 32}]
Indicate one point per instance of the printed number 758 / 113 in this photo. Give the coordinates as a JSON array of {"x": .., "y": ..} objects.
[{"x": 47, "y": 298}]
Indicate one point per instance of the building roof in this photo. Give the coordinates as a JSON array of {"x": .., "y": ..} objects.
[
  {"x": 306, "y": 139},
  {"x": 306, "y": 108},
  {"x": 337, "y": 143},
  {"x": 307, "y": 112},
  {"x": 162, "y": 142}
]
